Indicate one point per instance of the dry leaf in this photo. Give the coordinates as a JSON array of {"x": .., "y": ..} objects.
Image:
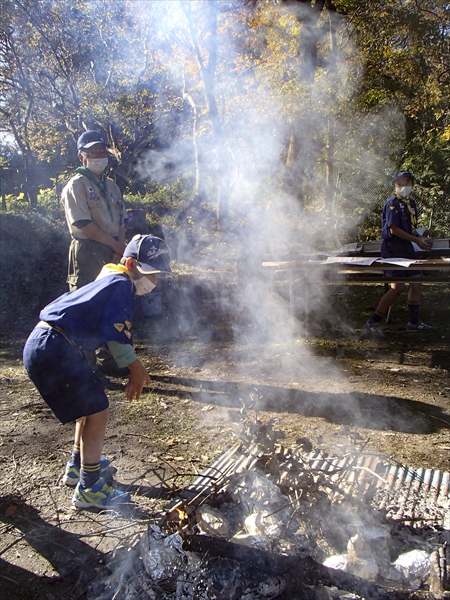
[{"x": 10, "y": 510}]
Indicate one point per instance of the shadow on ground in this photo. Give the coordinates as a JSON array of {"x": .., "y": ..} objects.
[
  {"x": 75, "y": 562},
  {"x": 358, "y": 409}
]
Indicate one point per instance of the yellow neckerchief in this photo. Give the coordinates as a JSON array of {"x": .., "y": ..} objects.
[
  {"x": 109, "y": 269},
  {"x": 407, "y": 201}
]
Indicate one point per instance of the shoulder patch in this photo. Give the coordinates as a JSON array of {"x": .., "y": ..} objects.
[
  {"x": 392, "y": 207},
  {"x": 128, "y": 334},
  {"x": 119, "y": 326},
  {"x": 128, "y": 324}
]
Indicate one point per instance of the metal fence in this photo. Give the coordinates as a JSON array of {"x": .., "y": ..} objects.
[
  {"x": 50, "y": 183},
  {"x": 13, "y": 184},
  {"x": 356, "y": 188},
  {"x": 358, "y": 192}
]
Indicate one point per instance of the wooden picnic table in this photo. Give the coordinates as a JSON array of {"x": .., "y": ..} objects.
[{"x": 347, "y": 271}]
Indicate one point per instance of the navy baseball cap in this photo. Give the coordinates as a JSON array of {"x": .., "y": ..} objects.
[
  {"x": 402, "y": 174},
  {"x": 90, "y": 138},
  {"x": 151, "y": 253}
]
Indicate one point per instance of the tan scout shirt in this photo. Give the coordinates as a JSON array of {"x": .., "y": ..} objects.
[{"x": 83, "y": 201}]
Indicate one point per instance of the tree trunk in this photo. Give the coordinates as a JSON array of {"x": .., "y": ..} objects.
[
  {"x": 208, "y": 73},
  {"x": 2, "y": 191},
  {"x": 310, "y": 34},
  {"x": 29, "y": 165},
  {"x": 193, "y": 105},
  {"x": 329, "y": 169},
  {"x": 30, "y": 178},
  {"x": 295, "y": 167},
  {"x": 330, "y": 192}
]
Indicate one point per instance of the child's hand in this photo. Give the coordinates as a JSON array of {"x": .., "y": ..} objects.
[
  {"x": 138, "y": 378},
  {"x": 424, "y": 243}
]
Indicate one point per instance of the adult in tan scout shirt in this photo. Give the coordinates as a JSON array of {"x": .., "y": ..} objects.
[{"x": 95, "y": 213}]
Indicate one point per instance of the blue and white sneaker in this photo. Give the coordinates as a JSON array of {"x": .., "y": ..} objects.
[
  {"x": 374, "y": 329},
  {"x": 420, "y": 326},
  {"x": 72, "y": 475},
  {"x": 100, "y": 495}
]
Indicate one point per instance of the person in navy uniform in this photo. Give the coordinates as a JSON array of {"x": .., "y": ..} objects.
[
  {"x": 98, "y": 313},
  {"x": 399, "y": 223}
]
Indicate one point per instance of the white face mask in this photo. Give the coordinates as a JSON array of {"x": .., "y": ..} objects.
[
  {"x": 96, "y": 165},
  {"x": 144, "y": 286},
  {"x": 404, "y": 190}
]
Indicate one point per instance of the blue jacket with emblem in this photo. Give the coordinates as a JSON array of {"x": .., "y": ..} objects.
[
  {"x": 396, "y": 212},
  {"x": 96, "y": 313}
]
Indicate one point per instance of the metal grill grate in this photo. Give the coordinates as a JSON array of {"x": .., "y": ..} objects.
[
  {"x": 405, "y": 493},
  {"x": 415, "y": 496}
]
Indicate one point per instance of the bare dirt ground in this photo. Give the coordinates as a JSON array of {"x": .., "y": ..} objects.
[
  {"x": 393, "y": 396},
  {"x": 332, "y": 385}
]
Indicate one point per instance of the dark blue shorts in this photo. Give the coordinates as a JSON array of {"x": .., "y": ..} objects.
[
  {"x": 402, "y": 274},
  {"x": 62, "y": 376}
]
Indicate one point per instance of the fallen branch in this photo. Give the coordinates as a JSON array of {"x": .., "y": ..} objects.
[{"x": 9, "y": 579}]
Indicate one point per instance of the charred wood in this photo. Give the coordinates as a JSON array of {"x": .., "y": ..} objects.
[
  {"x": 438, "y": 574},
  {"x": 298, "y": 571}
]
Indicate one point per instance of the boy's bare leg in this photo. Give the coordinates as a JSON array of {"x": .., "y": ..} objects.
[
  {"x": 79, "y": 426},
  {"x": 415, "y": 291},
  {"x": 390, "y": 297},
  {"x": 93, "y": 436}
]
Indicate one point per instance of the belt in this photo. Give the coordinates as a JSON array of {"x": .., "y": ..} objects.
[{"x": 45, "y": 325}]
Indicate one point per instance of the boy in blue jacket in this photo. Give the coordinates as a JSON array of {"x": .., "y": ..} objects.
[
  {"x": 98, "y": 313},
  {"x": 399, "y": 222}
]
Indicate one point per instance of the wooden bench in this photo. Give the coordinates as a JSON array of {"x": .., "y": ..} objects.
[{"x": 348, "y": 273}]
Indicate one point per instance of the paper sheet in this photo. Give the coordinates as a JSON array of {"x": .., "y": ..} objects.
[
  {"x": 368, "y": 261},
  {"x": 401, "y": 262},
  {"x": 350, "y": 260}
]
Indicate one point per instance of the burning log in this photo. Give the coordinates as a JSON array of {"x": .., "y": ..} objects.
[
  {"x": 228, "y": 579},
  {"x": 438, "y": 573},
  {"x": 298, "y": 573}
]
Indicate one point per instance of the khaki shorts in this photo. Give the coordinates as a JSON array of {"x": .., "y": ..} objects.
[{"x": 86, "y": 260}]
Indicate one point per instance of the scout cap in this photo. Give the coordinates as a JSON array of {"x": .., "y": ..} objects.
[
  {"x": 402, "y": 174},
  {"x": 90, "y": 138},
  {"x": 151, "y": 253}
]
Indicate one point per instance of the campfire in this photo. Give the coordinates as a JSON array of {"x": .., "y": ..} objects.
[{"x": 268, "y": 521}]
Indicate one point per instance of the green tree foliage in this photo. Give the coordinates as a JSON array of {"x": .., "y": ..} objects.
[
  {"x": 301, "y": 108},
  {"x": 66, "y": 67},
  {"x": 405, "y": 47}
]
